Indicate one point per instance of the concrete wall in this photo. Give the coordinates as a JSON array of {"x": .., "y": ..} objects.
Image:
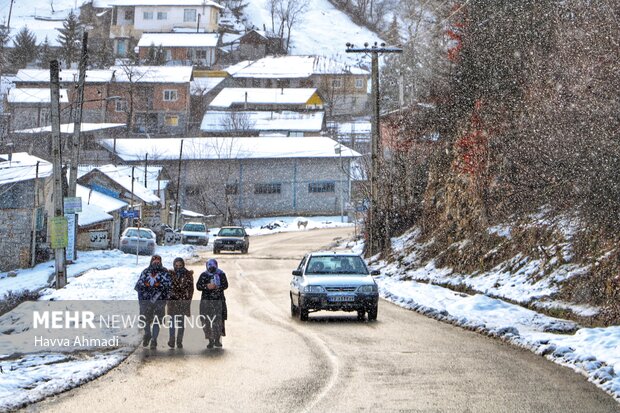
[{"x": 15, "y": 233}]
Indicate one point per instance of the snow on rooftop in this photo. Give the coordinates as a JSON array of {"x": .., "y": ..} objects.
[
  {"x": 65, "y": 75},
  {"x": 124, "y": 180},
  {"x": 297, "y": 67},
  {"x": 92, "y": 197},
  {"x": 153, "y": 74},
  {"x": 290, "y": 96},
  {"x": 220, "y": 121},
  {"x": 179, "y": 39},
  {"x": 161, "y": 3},
  {"x": 167, "y": 149},
  {"x": 34, "y": 95},
  {"x": 231, "y": 70},
  {"x": 68, "y": 128},
  {"x": 22, "y": 167},
  {"x": 202, "y": 85}
]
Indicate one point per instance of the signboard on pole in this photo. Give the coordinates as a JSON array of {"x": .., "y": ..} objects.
[
  {"x": 70, "y": 251},
  {"x": 132, "y": 213},
  {"x": 58, "y": 232},
  {"x": 73, "y": 205}
]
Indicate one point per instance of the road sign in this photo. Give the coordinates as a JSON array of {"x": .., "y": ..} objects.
[
  {"x": 70, "y": 251},
  {"x": 73, "y": 205},
  {"x": 58, "y": 232},
  {"x": 132, "y": 213}
]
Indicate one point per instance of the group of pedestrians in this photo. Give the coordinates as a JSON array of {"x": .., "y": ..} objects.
[{"x": 161, "y": 291}]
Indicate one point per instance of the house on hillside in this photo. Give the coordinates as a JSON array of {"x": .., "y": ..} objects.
[
  {"x": 180, "y": 49},
  {"x": 31, "y": 107},
  {"x": 25, "y": 181},
  {"x": 132, "y": 18},
  {"x": 38, "y": 141},
  {"x": 153, "y": 99},
  {"x": 256, "y": 44},
  {"x": 111, "y": 181},
  {"x": 248, "y": 177},
  {"x": 343, "y": 87},
  {"x": 262, "y": 123}
]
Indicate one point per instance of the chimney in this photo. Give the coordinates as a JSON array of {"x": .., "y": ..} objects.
[{"x": 245, "y": 104}]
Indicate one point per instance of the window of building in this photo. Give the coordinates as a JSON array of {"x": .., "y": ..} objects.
[
  {"x": 284, "y": 83},
  {"x": 336, "y": 83},
  {"x": 232, "y": 189},
  {"x": 255, "y": 82},
  {"x": 201, "y": 54},
  {"x": 129, "y": 15},
  {"x": 171, "y": 120},
  {"x": 321, "y": 187},
  {"x": 296, "y": 134},
  {"x": 121, "y": 48},
  {"x": 147, "y": 15},
  {"x": 189, "y": 15},
  {"x": 120, "y": 105},
  {"x": 170, "y": 95},
  {"x": 359, "y": 83},
  {"x": 267, "y": 189},
  {"x": 162, "y": 15}
]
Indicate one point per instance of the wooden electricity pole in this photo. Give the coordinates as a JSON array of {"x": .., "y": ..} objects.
[
  {"x": 59, "y": 252},
  {"x": 375, "y": 145}
]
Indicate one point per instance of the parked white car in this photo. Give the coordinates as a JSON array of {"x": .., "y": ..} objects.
[
  {"x": 195, "y": 233},
  {"x": 138, "y": 240}
]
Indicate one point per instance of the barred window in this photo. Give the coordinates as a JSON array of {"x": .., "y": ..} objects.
[
  {"x": 317, "y": 187},
  {"x": 268, "y": 188}
]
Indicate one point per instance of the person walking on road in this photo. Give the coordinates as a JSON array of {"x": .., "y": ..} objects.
[
  {"x": 153, "y": 287},
  {"x": 180, "y": 300},
  {"x": 213, "y": 309}
]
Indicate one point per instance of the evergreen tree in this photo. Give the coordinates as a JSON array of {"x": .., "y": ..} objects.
[
  {"x": 69, "y": 39},
  {"x": 25, "y": 49},
  {"x": 100, "y": 53},
  {"x": 46, "y": 54},
  {"x": 160, "y": 56},
  {"x": 393, "y": 35},
  {"x": 4, "y": 38}
]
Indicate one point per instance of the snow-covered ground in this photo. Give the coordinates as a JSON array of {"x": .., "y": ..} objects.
[
  {"x": 593, "y": 352},
  {"x": 95, "y": 275}
]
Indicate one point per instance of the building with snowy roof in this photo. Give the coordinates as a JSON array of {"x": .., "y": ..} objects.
[
  {"x": 250, "y": 176},
  {"x": 343, "y": 86},
  {"x": 197, "y": 49},
  {"x": 262, "y": 123}
]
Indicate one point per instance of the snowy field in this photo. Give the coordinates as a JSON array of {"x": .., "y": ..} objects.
[{"x": 593, "y": 352}]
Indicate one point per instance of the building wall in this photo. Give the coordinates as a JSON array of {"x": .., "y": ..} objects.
[
  {"x": 15, "y": 238},
  {"x": 203, "y": 186}
]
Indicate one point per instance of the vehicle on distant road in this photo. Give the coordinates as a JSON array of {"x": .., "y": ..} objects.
[
  {"x": 195, "y": 233},
  {"x": 231, "y": 239},
  {"x": 334, "y": 281},
  {"x": 138, "y": 240}
]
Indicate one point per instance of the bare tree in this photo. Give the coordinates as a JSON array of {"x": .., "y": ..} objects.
[{"x": 286, "y": 14}]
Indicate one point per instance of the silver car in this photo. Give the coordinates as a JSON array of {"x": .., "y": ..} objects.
[
  {"x": 138, "y": 240},
  {"x": 333, "y": 281},
  {"x": 195, "y": 233}
]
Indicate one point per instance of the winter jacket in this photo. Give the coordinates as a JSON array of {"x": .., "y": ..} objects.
[
  {"x": 153, "y": 284},
  {"x": 182, "y": 291}
]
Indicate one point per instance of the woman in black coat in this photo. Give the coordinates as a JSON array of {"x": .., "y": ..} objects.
[
  {"x": 213, "y": 309},
  {"x": 180, "y": 300}
]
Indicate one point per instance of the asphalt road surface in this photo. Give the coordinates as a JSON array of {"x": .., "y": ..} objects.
[{"x": 274, "y": 363}]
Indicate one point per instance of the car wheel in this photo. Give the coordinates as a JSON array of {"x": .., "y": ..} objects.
[
  {"x": 360, "y": 315},
  {"x": 293, "y": 308},
  {"x": 244, "y": 251},
  {"x": 372, "y": 313},
  {"x": 216, "y": 251}
]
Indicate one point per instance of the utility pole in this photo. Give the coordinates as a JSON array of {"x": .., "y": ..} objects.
[
  {"x": 177, "y": 208},
  {"x": 146, "y": 165},
  {"x": 35, "y": 203},
  {"x": 59, "y": 250},
  {"x": 375, "y": 145},
  {"x": 77, "y": 130}
]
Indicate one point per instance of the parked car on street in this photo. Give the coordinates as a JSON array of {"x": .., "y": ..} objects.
[
  {"x": 195, "y": 233},
  {"x": 140, "y": 240},
  {"x": 334, "y": 281},
  {"x": 231, "y": 239}
]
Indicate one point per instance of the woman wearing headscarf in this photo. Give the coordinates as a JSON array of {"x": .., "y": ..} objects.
[
  {"x": 153, "y": 287},
  {"x": 213, "y": 309},
  {"x": 180, "y": 300}
]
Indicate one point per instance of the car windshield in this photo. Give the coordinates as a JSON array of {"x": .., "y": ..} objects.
[
  {"x": 143, "y": 234},
  {"x": 336, "y": 264},
  {"x": 194, "y": 228},
  {"x": 231, "y": 232}
]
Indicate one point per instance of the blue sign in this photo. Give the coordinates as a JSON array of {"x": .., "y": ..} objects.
[{"x": 132, "y": 213}]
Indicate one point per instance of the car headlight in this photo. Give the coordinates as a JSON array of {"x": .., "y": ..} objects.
[
  {"x": 314, "y": 289},
  {"x": 367, "y": 289}
]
